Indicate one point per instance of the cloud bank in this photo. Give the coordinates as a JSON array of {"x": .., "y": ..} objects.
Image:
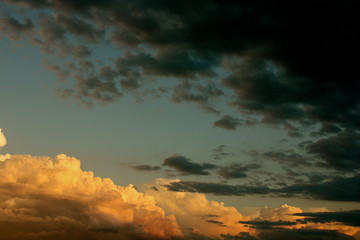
[{"x": 55, "y": 199}]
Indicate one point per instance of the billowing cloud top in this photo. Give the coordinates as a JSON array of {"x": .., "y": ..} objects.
[{"x": 60, "y": 198}]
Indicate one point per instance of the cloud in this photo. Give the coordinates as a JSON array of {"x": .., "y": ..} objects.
[
  {"x": 227, "y": 122},
  {"x": 14, "y": 28},
  {"x": 55, "y": 199},
  {"x": 268, "y": 224},
  {"x": 265, "y": 65},
  {"x": 335, "y": 189},
  {"x": 351, "y": 218},
  {"x": 283, "y": 213},
  {"x": 216, "y": 188},
  {"x": 194, "y": 211},
  {"x": 219, "y": 152},
  {"x": 145, "y": 167},
  {"x": 186, "y": 167},
  {"x": 55, "y": 195},
  {"x": 302, "y": 234},
  {"x": 203, "y": 95},
  {"x": 236, "y": 170},
  {"x": 287, "y": 158},
  {"x": 2, "y": 139},
  {"x": 341, "y": 151}
]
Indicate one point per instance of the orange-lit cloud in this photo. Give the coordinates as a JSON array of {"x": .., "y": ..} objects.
[
  {"x": 194, "y": 211},
  {"x": 51, "y": 198},
  {"x": 46, "y": 198}
]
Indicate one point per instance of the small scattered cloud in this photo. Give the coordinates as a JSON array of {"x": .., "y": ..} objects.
[
  {"x": 227, "y": 122},
  {"x": 186, "y": 167},
  {"x": 145, "y": 167},
  {"x": 219, "y": 152},
  {"x": 236, "y": 170}
]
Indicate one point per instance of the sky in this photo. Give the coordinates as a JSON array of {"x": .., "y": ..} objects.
[{"x": 203, "y": 120}]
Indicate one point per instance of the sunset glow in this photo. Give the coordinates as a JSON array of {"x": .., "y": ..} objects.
[{"x": 179, "y": 120}]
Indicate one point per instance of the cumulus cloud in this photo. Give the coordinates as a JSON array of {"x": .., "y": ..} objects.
[
  {"x": 283, "y": 213},
  {"x": 194, "y": 211},
  {"x": 61, "y": 199}
]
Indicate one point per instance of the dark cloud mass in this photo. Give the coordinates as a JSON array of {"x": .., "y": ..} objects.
[
  {"x": 186, "y": 167},
  {"x": 338, "y": 189},
  {"x": 287, "y": 61},
  {"x": 341, "y": 151},
  {"x": 351, "y": 218}
]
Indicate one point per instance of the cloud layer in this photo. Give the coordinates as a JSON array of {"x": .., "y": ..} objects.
[{"x": 55, "y": 199}]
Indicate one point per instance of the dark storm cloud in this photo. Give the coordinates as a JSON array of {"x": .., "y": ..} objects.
[
  {"x": 227, "y": 122},
  {"x": 351, "y": 218},
  {"x": 146, "y": 167},
  {"x": 338, "y": 189},
  {"x": 285, "y": 61},
  {"x": 341, "y": 151},
  {"x": 289, "y": 63},
  {"x": 186, "y": 167},
  {"x": 236, "y": 170}
]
